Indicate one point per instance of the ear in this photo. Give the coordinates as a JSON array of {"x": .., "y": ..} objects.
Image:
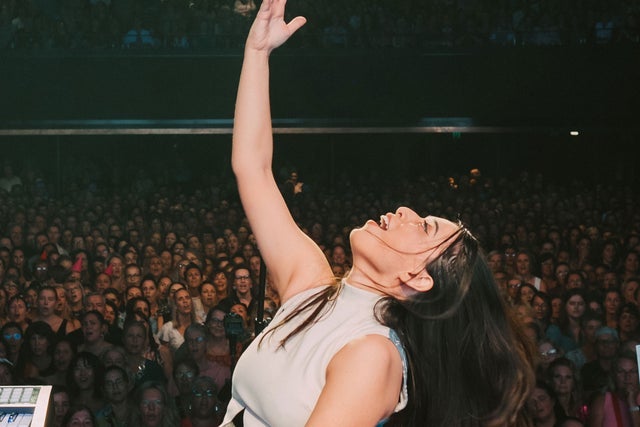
[{"x": 420, "y": 282}]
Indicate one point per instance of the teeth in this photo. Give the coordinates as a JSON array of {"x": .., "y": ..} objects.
[{"x": 384, "y": 222}]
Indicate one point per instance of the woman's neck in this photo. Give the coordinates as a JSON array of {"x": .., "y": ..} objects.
[{"x": 184, "y": 319}]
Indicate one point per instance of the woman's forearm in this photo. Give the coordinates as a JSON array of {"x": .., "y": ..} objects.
[{"x": 252, "y": 138}]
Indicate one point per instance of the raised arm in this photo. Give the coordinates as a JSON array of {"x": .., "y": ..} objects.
[{"x": 294, "y": 261}]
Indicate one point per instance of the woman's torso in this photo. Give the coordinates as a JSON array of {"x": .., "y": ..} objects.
[{"x": 298, "y": 371}]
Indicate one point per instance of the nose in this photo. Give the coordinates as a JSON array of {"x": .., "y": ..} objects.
[{"x": 404, "y": 212}]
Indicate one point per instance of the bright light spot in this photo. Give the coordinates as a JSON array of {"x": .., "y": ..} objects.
[{"x": 574, "y": 133}]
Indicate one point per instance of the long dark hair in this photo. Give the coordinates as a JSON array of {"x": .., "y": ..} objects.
[{"x": 470, "y": 364}]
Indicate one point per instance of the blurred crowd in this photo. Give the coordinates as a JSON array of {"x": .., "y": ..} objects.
[
  {"x": 135, "y": 301},
  {"x": 208, "y": 25}
]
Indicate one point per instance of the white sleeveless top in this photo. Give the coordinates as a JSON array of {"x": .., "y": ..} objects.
[{"x": 280, "y": 387}]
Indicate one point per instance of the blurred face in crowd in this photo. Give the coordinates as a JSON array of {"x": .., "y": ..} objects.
[
  {"x": 149, "y": 290},
  {"x": 47, "y": 301},
  {"x": 116, "y": 386},
  {"x": 575, "y": 306},
  {"x": 242, "y": 281},
  {"x": 562, "y": 379},
  {"x": 208, "y": 294},
  {"x": 62, "y": 355},
  {"x": 151, "y": 407},
  {"x": 540, "y": 406}
]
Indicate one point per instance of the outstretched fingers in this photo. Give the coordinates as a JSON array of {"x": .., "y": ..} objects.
[{"x": 296, "y": 23}]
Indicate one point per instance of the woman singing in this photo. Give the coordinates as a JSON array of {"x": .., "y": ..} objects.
[{"x": 415, "y": 335}]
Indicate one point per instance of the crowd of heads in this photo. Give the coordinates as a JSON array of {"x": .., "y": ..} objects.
[
  {"x": 221, "y": 24},
  {"x": 153, "y": 294}
]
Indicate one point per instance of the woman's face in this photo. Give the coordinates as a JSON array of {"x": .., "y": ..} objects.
[
  {"x": 134, "y": 339},
  {"x": 183, "y": 301},
  {"x": 39, "y": 344},
  {"x": 169, "y": 240},
  {"x": 149, "y": 290},
  {"x": 18, "y": 311},
  {"x": 184, "y": 377},
  {"x": 495, "y": 262},
  {"x": 626, "y": 376},
  {"x": 18, "y": 258},
  {"x": 194, "y": 278},
  {"x": 556, "y": 307},
  {"x": 203, "y": 400},
  {"x": 31, "y": 298},
  {"x": 220, "y": 282},
  {"x": 141, "y": 306},
  {"x": 540, "y": 308},
  {"x": 109, "y": 314},
  {"x": 575, "y": 307},
  {"x": 178, "y": 248},
  {"x": 83, "y": 375},
  {"x": 216, "y": 324},
  {"x": 81, "y": 418},
  {"x": 562, "y": 271},
  {"x": 117, "y": 266},
  {"x": 208, "y": 294},
  {"x": 630, "y": 291},
  {"x": 167, "y": 260},
  {"x": 61, "y": 403},
  {"x": 526, "y": 294},
  {"x": 403, "y": 243},
  {"x": 47, "y": 302},
  {"x": 540, "y": 405},
  {"x": 92, "y": 328},
  {"x": 103, "y": 281},
  {"x": 13, "y": 337},
  {"x": 631, "y": 263},
  {"x": 156, "y": 266},
  {"x": 611, "y": 303},
  {"x": 240, "y": 310},
  {"x": 62, "y": 299},
  {"x": 133, "y": 292},
  {"x": 627, "y": 322},
  {"x": 546, "y": 268},
  {"x": 151, "y": 407},
  {"x": 196, "y": 343},
  {"x": 523, "y": 264},
  {"x": 62, "y": 356},
  {"x": 563, "y": 380},
  {"x": 115, "y": 387}
]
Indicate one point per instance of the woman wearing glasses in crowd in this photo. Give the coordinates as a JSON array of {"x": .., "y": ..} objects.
[
  {"x": 197, "y": 338},
  {"x": 12, "y": 338},
  {"x": 334, "y": 345},
  {"x": 204, "y": 404},
  {"x": 118, "y": 409},
  {"x": 152, "y": 407}
]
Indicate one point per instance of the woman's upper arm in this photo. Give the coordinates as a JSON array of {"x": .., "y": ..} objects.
[
  {"x": 293, "y": 260},
  {"x": 362, "y": 386}
]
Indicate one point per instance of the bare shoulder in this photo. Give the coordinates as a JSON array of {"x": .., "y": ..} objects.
[
  {"x": 363, "y": 383},
  {"x": 378, "y": 349}
]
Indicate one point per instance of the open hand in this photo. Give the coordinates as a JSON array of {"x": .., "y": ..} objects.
[{"x": 269, "y": 30}]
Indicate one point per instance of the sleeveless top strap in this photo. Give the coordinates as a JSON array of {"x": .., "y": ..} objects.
[{"x": 404, "y": 393}]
